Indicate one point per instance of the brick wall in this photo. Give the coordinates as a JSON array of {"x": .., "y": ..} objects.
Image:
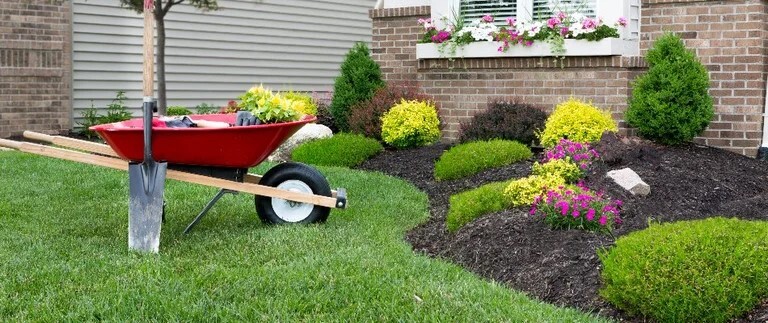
[
  {"x": 728, "y": 37},
  {"x": 35, "y": 66}
]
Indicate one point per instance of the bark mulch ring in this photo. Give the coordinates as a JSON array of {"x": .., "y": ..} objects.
[{"x": 561, "y": 266}]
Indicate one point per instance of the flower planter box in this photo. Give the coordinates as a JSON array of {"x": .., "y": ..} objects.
[{"x": 573, "y": 47}]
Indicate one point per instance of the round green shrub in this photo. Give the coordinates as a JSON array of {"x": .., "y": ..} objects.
[
  {"x": 410, "y": 124},
  {"x": 709, "y": 270},
  {"x": 177, "y": 110},
  {"x": 360, "y": 78},
  {"x": 469, "y": 205},
  {"x": 471, "y": 158},
  {"x": 343, "y": 149},
  {"x": 670, "y": 104},
  {"x": 505, "y": 120},
  {"x": 576, "y": 121}
]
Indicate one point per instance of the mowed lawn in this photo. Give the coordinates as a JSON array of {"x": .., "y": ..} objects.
[{"x": 64, "y": 257}]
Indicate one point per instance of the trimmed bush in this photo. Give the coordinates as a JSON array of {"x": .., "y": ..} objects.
[
  {"x": 469, "y": 205},
  {"x": 505, "y": 120},
  {"x": 360, "y": 78},
  {"x": 564, "y": 168},
  {"x": 576, "y": 121},
  {"x": 343, "y": 149},
  {"x": 709, "y": 270},
  {"x": 410, "y": 124},
  {"x": 307, "y": 104},
  {"x": 177, "y": 110},
  {"x": 670, "y": 104},
  {"x": 471, "y": 158},
  {"x": 365, "y": 117},
  {"x": 524, "y": 191}
]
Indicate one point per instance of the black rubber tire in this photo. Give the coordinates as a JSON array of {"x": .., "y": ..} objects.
[{"x": 293, "y": 171}]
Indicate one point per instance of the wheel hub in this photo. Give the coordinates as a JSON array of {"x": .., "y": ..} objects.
[{"x": 291, "y": 211}]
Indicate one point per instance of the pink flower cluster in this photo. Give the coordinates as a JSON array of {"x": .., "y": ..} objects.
[
  {"x": 565, "y": 208},
  {"x": 441, "y": 36},
  {"x": 580, "y": 153}
]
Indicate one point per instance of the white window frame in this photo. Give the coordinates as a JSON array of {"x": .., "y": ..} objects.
[{"x": 628, "y": 44}]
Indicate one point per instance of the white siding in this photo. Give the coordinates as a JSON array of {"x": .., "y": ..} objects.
[{"x": 213, "y": 57}]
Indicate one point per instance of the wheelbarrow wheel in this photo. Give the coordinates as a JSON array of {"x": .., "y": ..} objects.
[{"x": 298, "y": 178}]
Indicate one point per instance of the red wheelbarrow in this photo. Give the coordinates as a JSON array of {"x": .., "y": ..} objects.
[{"x": 216, "y": 157}]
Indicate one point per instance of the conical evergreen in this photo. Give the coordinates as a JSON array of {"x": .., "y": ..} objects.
[
  {"x": 670, "y": 104},
  {"x": 360, "y": 78}
]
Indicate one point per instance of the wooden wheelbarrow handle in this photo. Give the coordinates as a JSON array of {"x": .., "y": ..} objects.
[{"x": 72, "y": 143}]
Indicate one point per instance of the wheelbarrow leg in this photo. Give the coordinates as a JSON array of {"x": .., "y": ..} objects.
[{"x": 208, "y": 207}]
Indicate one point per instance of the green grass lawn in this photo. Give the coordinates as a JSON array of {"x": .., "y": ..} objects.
[{"x": 63, "y": 245}]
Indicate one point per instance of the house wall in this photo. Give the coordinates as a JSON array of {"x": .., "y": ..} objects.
[
  {"x": 35, "y": 66},
  {"x": 215, "y": 56},
  {"x": 728, "y": 37}
]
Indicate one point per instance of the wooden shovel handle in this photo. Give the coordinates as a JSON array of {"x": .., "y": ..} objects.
[{"x": 149, "y": 48}]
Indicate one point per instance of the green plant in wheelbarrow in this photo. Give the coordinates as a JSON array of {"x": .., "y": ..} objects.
[{"x": 268, "y": 107}]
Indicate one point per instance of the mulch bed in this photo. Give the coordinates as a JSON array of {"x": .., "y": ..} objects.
[{"x": 561, "y": 266}]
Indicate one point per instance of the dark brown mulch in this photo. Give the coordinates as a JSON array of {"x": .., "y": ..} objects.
[{"x": 561, "y": 266}]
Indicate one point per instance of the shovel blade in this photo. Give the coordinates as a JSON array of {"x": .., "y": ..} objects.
[{"x": 145, "y": 208}]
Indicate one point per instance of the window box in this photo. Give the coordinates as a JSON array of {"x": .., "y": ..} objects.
[{"x": 574, "y": 47}]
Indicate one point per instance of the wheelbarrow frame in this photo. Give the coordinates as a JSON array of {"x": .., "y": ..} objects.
[{"x": 103, "y": 155}]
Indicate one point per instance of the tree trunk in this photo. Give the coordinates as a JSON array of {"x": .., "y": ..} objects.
[{"x": 161, "y": 99}]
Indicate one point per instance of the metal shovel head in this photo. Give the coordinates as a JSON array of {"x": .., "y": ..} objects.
[{"x": 145, "y": 209}]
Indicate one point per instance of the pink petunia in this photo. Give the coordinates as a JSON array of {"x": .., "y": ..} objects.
[
  {"x": 487, "y": 18},
  {"x": 511, "y": 21},
  {"x": 552, "y": 22},
  {"x": 622, "y": 21},
  {"x": 561, "y": 16}
]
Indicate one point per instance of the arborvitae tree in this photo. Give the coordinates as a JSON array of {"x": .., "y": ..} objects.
[
  {"x": 670, "y": 104},
  {"x": 360, "y": 78}
]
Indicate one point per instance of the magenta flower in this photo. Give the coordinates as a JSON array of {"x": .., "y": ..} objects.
[
  {"x": 487, "y": 18},
  {"x": 511, "y": 21},
  {"x": 603, "y": 220},
  {"x": 564, "y": 31},
  {"x": 589, "y": 23},
  {"x": 529, "y": 43},
  {"x": 561, "y": 16},
  {"x": 590, "y": 214},
  {"x": 575, "y": 214},
  {"x": 552, "y": 22},
  {"x": 622, "y": 21},
  {"x": 441, "y": 36}
]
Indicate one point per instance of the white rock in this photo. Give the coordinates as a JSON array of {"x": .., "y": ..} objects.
[
  {"x": 308, "y": 132},
  {"x": 630, "y": 181}
]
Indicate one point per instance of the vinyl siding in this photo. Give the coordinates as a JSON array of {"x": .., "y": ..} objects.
[{"x": 215, "y": 56}]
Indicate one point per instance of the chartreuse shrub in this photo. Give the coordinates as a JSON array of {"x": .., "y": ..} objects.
[
  {"x": 564, "y": 168},
  {"x": 670, "y": 103},
  {"x": 343, "y": 149},
  {"x": 505, "y": 120},
  {"x": 471, "y": 158},
  {"x": 360, "y": 78},
  {"x": 469, "y": 205},
  {"x": 304, "y": 102},
  {"x": 365, "y": 116},
  {"x": 523, "y": 191},
  {"x": 410, "y": 124},
  {"x": 710, "y": 270},
  {"x": 576, "y": 121}
]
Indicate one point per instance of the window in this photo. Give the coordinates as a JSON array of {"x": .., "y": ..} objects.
[
  {"x": 524, "y": 9},
  {"x": 499, "y": 9},
  {"x": 543, "y": 9}
]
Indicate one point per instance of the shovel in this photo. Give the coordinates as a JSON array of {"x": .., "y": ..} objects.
[{"x": 146, "y": 179}]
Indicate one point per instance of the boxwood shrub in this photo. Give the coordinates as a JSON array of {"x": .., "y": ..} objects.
[
  {"x": 471, "y": 158},
  {"x": 505, "y": 120},
  {"x": 343, "y": 149},
  {"x": 709, "y": 270}
]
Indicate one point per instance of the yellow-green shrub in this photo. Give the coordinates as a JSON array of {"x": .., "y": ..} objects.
[
  {"x": 564, "y": 168},
  {"x": 576, "y": 121},
  {"x": 410, "y": 124},
  {"x": 303, "y": 102},
  {"x": 523, "y": 191}
]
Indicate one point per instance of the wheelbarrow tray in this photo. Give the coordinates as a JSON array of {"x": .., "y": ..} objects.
[{"x": 234, "y": 147}]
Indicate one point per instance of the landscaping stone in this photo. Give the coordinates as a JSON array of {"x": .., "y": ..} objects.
[
  {"x": 308, "y": 132},
  {"x": 630, "y": 181}
]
